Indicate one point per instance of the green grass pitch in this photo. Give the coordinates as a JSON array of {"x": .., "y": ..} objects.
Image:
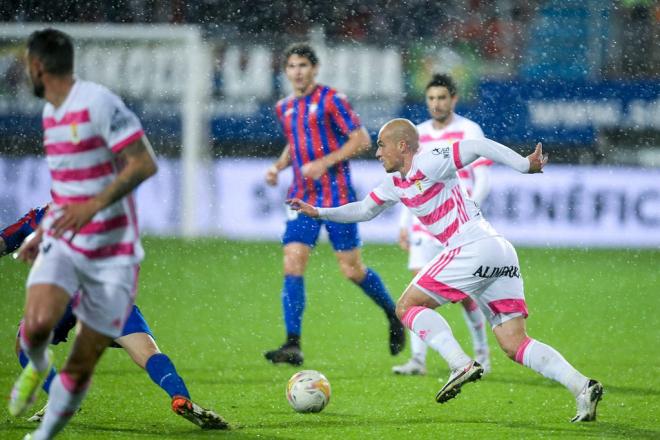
[{"x": 214, "y": 307}]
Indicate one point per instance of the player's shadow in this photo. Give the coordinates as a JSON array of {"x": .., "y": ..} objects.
[
  {"x": 236, "y": 432},
  {"x": 613, "y": 389}
]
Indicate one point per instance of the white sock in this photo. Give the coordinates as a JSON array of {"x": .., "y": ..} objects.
[
  {"x": 434, "y": 330},
  {"x": 63, "y": 402},
  {"x": 476, "y": 322},
  {"x": 418, "y": 348},
  {"x": 38, "y": 354},
  {"x": 550, "y": 363}
]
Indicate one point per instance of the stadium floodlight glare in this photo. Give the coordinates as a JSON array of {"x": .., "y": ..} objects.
[{"x": 164, "y": 66}]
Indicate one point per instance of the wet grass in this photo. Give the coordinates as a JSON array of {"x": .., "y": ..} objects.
[{"x": 214, "y": 307}]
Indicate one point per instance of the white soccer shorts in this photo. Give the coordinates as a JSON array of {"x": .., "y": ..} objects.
[
  {"x": 103, "y": 296},
  {"x": 486, "y": 270}
]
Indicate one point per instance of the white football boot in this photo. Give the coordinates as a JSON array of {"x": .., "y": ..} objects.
[
  {"x": 587, "y": 401},
  {"x": 414, "y": 367},
  {"x": 459, "y": 377}
]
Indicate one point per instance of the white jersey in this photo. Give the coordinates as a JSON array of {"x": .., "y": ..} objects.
[
  {"x": 432, "y": 193},
  {"x": 81, "y": 139},
  {"x": 458, "y": 129}
]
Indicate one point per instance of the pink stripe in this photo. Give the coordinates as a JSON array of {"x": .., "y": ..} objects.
[
  {"x": 441, "y": 289},
  {"x": 70, "y": 384},
  {"x": 69, "y": 147},
  {"x": 111, "y": 250},
  {"x": 447, "y": 135},
  {"x": 104, "y": 225},
  {"x": 420, "y": 228},
  {"x": 65, "y": 200},
  {"x": 424, "y": 197},
  {"x": 509, "y": 306},
  {"x": 375, "y": 198},
  {"x": 410, "y": 315},
  {"x": 437, "y": 213},
  {"x": 407, "y": 183},
  {"x": 437, "y": 268},
  {"x": 79, "y": 117},
  {"x": 100, "y": 170},
  {"x": 445, "y": 235},
  {"x": 457, "y": 156},
  {"x": 520, "y": 354},
  {"x": 116, "y": 148},
  {"x": 456, "y": 191}
]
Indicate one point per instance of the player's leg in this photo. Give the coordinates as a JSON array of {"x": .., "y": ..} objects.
[
  {"x": 476, "y": 323},
  {"x": 45, "y": 304},
  {"x": 345, "y": 240},
  {"x": 547, "y": 361},
  {"x": 70, "y": 386},
  {"x": 299, "y": 238}
]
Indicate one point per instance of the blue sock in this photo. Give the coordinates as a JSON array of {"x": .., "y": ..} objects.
[
  {"x": 373, "y": 286},
  {"x": 23, "y": 360},
  {"x": 161, "y": 370},
  {"x": 293, "y": 303}
]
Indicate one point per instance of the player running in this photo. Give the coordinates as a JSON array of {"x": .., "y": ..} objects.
[
  {"x": 477, "y": 261},
  {"x": 444, "y": 128},
  {"x": 136, "y": 338},
  {"x": 322, "y": 133}
]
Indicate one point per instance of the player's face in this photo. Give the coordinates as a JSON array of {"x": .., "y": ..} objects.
[
  {"x": 440, "y": 103},
  {"x": 388, "y": 154},
  {"x": 34, "y": 70},
  {"x": 301, "y": 73}
]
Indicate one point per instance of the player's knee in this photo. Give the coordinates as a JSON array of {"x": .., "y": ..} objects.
[{"x": 354, "y": 273}]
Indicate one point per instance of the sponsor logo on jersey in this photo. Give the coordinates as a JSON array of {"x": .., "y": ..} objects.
[
  {"x": 496, "y": 272},
  {"x": 444, "y": 152},
  {"x": 75, "y": 138}
]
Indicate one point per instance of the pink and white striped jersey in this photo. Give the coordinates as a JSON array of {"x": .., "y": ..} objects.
[
  {"x": 432, "y": 193},
  {"x": 458, "y": 129},
  {"x": 81, "y": 139}
]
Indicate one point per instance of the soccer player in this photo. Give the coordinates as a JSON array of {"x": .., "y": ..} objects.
[
  {"x": 88, "y": 241},
  {"x": 322, "y": 133},
  {"x": 445, "y": 127},
  {"x": 476, "y": 262},
  {"x": 136, "y": 338}
]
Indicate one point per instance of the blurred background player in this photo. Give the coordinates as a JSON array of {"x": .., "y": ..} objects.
[
  {"x": 136, "y": 339},
  {"x": 443, "y": 129},
  {"x": 322, "y": 133},
  {"x": 87, "y": 247}
]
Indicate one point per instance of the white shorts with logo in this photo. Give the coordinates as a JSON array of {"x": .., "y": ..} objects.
[
  {"x": 423, "y": 248},
  {"x": 486, "y": 270},
  {"x": 102, "y": 295}
]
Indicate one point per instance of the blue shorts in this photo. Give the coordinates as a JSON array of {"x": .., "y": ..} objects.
[
  {"x": 305, "y": 230},
  {"x": 134, "y": 324}
]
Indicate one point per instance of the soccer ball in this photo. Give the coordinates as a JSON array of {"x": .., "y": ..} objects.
[{"x": 308, "y": 391}]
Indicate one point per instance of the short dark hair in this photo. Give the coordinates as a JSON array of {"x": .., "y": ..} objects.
[
  {"x": 442, "y": 80},
  {"x": 302, "y": 50},
  {"x": 54, "y": 49}
]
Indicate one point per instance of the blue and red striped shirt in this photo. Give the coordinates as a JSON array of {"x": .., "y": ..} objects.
[
  {"x": 315, "y": 125},
  {"x": 14, "y": 234}
]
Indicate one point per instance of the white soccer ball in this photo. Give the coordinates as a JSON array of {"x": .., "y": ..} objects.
[{"x": 308, "y": 391}]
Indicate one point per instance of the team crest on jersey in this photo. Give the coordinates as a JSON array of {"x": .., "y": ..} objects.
[
  {"x": 418, "y": 184},
  {"x": 313, "y": 108},
  {"x": 444, "y": 152},
  {"x": 75, "y": 138}
]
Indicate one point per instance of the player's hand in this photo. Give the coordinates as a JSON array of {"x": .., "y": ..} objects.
[
  {"x": 302, "y": 207},
  {"x": 271, "y": 175},
  {"x": 537, "y": 160},
  {"x": 404, "y": 239},
  {"x": 74, "y": 216},
  {"x": 29, "y": 250},
  {"x": 314, "y": 169}
]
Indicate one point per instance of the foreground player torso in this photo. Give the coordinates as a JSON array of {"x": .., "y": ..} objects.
[
  {"x": 81, "y": 139},
  {"x": 432, "y": 193}
]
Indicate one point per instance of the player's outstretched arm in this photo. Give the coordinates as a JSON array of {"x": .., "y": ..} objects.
[
  {"x": 358, "y": 141},
  {"x": 472, "y": 149},
  {"x": 138, "y": 164},
  {"x": 350, "y": 213}
]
